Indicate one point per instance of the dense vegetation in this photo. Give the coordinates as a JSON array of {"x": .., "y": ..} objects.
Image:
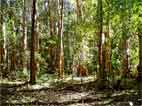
[{"x": 57, "y": 42}]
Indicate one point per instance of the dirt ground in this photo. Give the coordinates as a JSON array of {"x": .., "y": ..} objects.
[{"x": 64, "y": 94}]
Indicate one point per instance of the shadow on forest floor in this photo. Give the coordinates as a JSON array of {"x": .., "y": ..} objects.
[{"x": 67, "y": 94}]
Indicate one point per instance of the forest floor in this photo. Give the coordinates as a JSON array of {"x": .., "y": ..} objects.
[{"x": 65, "y": 94}]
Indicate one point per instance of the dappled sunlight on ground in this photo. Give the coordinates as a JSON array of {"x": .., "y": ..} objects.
[
  {"x": 80, "y": 104},
  {"x": 68, "y": 92},
  {"x": 72, "y": 96},
  {"x": 3, "y": 81},
  {"x": 78, "y": 79}
]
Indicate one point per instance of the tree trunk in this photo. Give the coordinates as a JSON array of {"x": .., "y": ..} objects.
[
  {"x": 60, "y": 52},
  {"x": 107, "y": 54},
  {"x": 79, "y": 13},
  {"x": 12, "y": 54},
  {"x": 140, "y": 53},
  {"x": 6, "y": 51},
  {"x": 51, "y": 18},
  {"x": 125, "y": 61},
  {"x": 107, "y": 44},
  {"x": 24, "y": 38},
  {"x": 83, "y": 44},
  {"x": 13, "y": 61},
  {"x": 2, "y": 44},
  {"x": 139, "y": 67},
  {"x": 52, "y": 53},
  {"x": 33, "y": 66},
  {"x": 124, "y": 47},
  {"x": 100, "y": 30},
  {"x": 126, "y": 16}
]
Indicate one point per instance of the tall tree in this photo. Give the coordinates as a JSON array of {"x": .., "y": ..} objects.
[
  {"x": 51, "y": 17},
  {"x": 100, "y": 39},
  {"x": 2, "y": 32},
  {"x": 60, "y": 53},
  {"x": 83, "y": 44},
  {"x": 24, "y": 37},
  {"x": 140, "y": 55},
  {"x": 139, "y": 67},
  {"x": 125, "y": 39},
  {"x": 78, "y": 10},
  {"x": 107, "y": 42},
  {"x": 12, "y": 50},
  {"x": 33, "y": 66},
  {"x": 52, "y": 47}
]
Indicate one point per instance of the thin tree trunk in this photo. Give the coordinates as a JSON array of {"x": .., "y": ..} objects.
[
  {"x": 124, "y": 47},
  {"x": 107, "y": 55},
  {"x": 79, "y": 13},
  {"x": 52, "y": 49},
  {"x": 33, "y": 66},
  {"x": 107, "y": 48},
  {"x": 140, "y": 52},
  {"x": 60, "y": 57},
  {"x": 1, "y": 40},
  {"x": 125, "y": 40},
  {"x": 36, "y": 31},
  {"x": 6, "y": 51},
  {"x": 2, "y": 44},
  {"x": 139, "y": 67},
  {"x": 13, "y": 59},
  {"x": 24, "y": 38},
  {"x": 125, "y": 60},
  {"x": 51, "y": 19},
  {"x": 79, "y": 19},
  {"x": 100, "y": 50}
]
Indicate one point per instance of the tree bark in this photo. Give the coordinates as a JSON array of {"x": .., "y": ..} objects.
[
  {"x": 79, "y": 13},
  {"x": 139, "y": 67},
  {"x": 24, "y": 38},
  {"x": 33, "y": 66},
  {"x": 51, "y": 19},
  {"x": 13, "y": 53},
  {"x": 107, "y": 54},
  {"x": 126, "y": 16},
  {"x": 52, "y": 49},
  {"x": 60, "y": 52},
  {"x": 13, "y": 61},
  {"x": 100, "y": 30},
  {"x": 125, "y": 47},
  {"x": 2, "y": 43},
  {"x": 125, "y": 60},
  {"x": 107, "y": 44}
]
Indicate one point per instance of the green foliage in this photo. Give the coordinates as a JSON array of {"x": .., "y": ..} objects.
[
  {"x": 22, "y": 74},
  {"x": 79, "y": 36}
]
